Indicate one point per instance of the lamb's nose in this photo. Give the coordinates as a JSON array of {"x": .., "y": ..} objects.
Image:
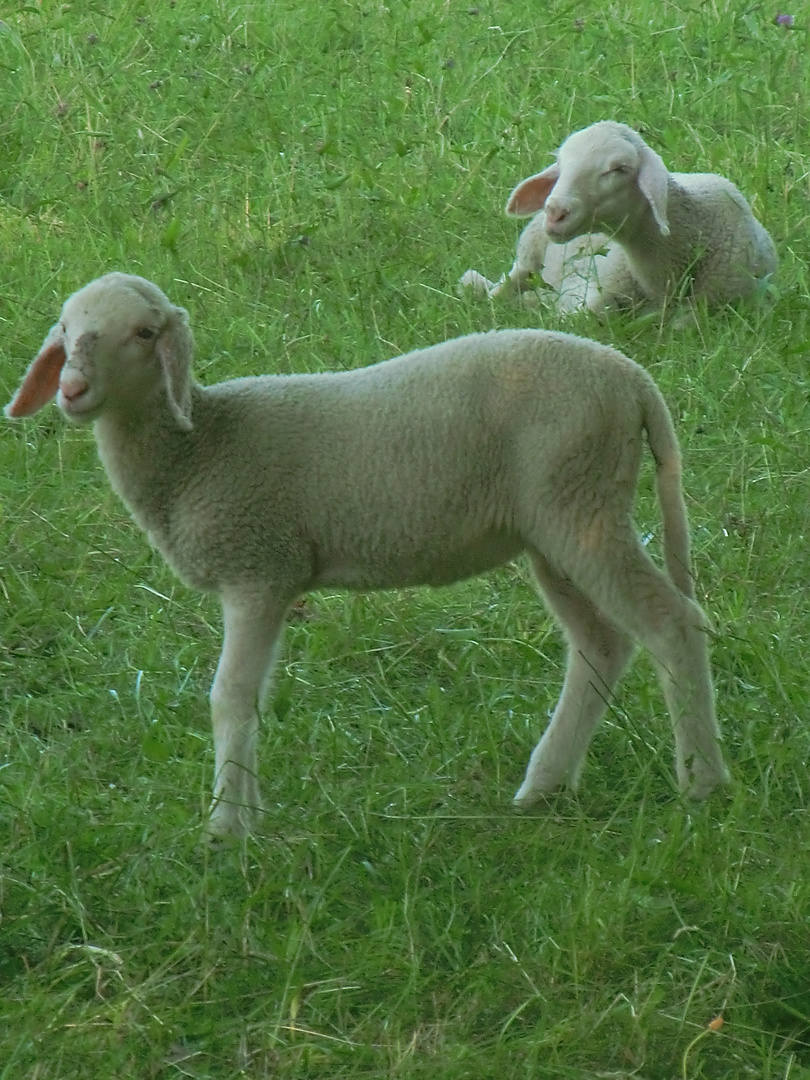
[
  {"x": 556, "y": 214},
  {"x": 73, "y": 386}
]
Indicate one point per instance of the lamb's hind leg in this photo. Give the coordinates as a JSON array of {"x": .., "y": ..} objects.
[
  {"x": 622, "y": 580},
  {"x": 598, "y": 652},
  {"x": 253, "y": 626}
]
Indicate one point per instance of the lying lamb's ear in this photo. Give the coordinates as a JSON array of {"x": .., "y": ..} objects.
[
  {"x": 653, "y": 176},
  {"x": 530, "y": 195},
  {"x": 175, "y": 348},
  {"x": 41, "y": 381}
]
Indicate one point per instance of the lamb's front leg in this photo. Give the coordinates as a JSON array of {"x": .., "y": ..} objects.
[
  {"x": 253, "y": 626},
  {"x": 531, "y": 249}
]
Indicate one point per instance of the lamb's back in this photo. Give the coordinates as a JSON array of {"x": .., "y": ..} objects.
[{"x": 404, "y": 471}]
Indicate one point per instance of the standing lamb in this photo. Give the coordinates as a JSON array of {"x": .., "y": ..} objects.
[
  {"x": 423, "y": 469},
  {"x": 626, "y": 231}
]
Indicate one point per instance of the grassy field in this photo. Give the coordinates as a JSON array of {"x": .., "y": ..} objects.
[{"x": 310, "y": 180}]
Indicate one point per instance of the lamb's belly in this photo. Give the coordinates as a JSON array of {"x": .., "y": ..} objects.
[{"x": 437, "y": 567}]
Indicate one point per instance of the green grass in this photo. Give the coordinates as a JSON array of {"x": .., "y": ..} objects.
[{"x": 310, "y": 180}]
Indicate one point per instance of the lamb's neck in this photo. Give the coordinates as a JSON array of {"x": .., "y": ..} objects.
[
  {"x": 658, "y": 261},
  {"x": 649, "y": 254},
  {"x": 144, "y": 455}
]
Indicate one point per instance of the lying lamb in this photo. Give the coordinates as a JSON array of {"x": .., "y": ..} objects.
[
  {"x": 421, "y": 470},
  {"x": 626, "y": 231}
]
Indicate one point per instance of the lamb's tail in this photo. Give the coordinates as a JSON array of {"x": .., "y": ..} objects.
[{"x": 664, "y": 446}]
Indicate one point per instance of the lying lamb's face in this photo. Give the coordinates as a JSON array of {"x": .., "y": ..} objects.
[{"x": 596, "y": 189}]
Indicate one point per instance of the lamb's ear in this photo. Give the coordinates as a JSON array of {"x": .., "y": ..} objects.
[
  {"x": 175, "y": 349},
  {"x": 653, "y": 177},
  {"x": 530, "y": 195},
  {"x": 41, "y": 381}
]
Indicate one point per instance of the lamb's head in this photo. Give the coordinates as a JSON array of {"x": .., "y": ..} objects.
[
  {"x": 118, "y": 344},
  {"x": 605, "y": 179}
]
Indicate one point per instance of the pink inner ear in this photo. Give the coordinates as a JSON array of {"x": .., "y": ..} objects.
[
  {"x": 530, "y": 195},
  {"x": 40, "y": 383}
]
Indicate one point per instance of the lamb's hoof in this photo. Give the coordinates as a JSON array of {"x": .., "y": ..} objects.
[
  {"x": 536, "y": 801},
  {"x": 701, "y": 783},
  {"x": 527, "y": 797},
  {"x": 473, "y": 282},
  {"x": 522, "y": 805},
  {"x": 228, "y": 821}
]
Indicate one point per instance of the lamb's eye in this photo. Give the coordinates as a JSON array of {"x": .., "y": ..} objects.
[{"x": 145, "y": 334}]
